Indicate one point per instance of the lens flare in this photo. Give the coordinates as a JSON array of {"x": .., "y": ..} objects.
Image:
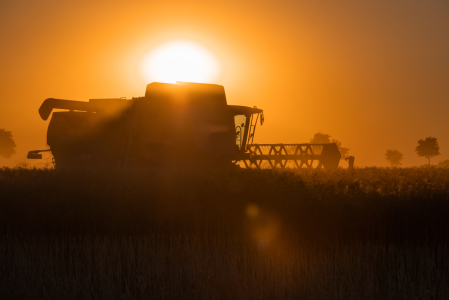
[
  {"x": 180, "y": 61},
  {"x": 252, "y": 210}
]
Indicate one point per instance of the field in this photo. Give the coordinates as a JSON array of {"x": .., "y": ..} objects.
[{"x": 367, "y": 233}]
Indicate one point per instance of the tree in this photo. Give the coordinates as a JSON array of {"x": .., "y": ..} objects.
[
  {"x": 428, "y": 148},
  {"x": 7, "y": 144},
  {"x": 394, "y": 157},
  {"x": 323, "y": 138}
]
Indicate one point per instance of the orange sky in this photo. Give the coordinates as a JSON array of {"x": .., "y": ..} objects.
[{"x": 373, "y": 74}]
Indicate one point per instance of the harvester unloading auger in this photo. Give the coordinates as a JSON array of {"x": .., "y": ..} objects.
[{"x": 173, "y": 125}]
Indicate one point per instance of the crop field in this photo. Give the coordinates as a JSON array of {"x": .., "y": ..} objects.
[{"x": 370, "y": 233}]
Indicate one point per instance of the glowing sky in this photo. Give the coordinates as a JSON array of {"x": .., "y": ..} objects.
[
  {"x": 373, "y": 74},
  {"x": 180, "y": 60}
]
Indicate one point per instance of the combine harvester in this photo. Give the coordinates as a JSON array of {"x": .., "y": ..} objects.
[{"x": 187, "y": 125}]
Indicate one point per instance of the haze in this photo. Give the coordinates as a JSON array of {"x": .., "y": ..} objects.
[{"x": 373, "y": 74}]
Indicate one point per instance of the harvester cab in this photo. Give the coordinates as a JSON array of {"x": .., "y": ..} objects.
[
  {"x": 245, "y": 120},
  {"x": 174, "y": 125}
]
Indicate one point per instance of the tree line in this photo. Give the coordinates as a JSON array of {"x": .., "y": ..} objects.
[{"x": 427, "y": 148}]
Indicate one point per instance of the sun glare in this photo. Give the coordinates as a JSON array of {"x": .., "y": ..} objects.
[{"x": 180, "y": 61}]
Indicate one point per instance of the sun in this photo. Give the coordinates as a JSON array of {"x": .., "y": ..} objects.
[{"x": 180, "y": 61}]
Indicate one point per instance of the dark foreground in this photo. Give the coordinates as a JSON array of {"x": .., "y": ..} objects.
[{"x": 360, "y": 234}]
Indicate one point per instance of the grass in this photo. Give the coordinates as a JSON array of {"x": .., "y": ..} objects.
[
  {"x": 203, "y": 267},
  {"x": 347, "y": 234}
]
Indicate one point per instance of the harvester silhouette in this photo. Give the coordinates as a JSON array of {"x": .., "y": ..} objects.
[{"x": 173, "y": 125}]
